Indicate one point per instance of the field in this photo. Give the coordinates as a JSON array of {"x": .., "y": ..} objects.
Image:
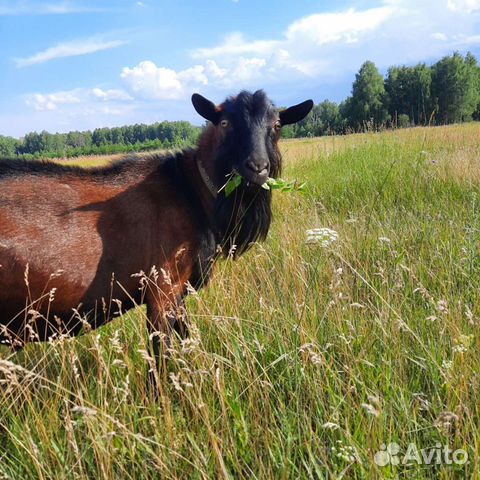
[{"x": 305, "y": 359}]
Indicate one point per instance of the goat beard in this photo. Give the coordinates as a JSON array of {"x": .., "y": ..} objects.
[{"x": 242, "y": 218}]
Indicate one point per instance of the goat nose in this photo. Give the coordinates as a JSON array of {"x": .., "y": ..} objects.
[{"x": 257, "y": 167}]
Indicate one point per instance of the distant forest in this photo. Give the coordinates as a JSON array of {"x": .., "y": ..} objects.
[
  {"x": 445, "y": 92},
  {"x": 132, "y": 138}
]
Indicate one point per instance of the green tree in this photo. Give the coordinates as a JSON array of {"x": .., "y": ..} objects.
[
  {"x": 329, "y": 116},
  {"x": 408, "y": 91},
  {"x": 8, "y": 146},
  {"x": 116, "y": 135},
  {"x": 101, "y": 136},
  {"x": 367, "y": 103},
  {"x": 454, "y": 88},
  {"x": 345, "y": 109},
  {"x": 33, "y": 143},
  {"x": 324, "y": 119},
  {"x": 474, "y": 69}
]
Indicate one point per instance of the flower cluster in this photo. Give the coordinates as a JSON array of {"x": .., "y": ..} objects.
[
  {"x": 323, "y": 236},
  {"x": 346, "y": 453}
]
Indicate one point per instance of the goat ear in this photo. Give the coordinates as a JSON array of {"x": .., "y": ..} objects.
[
  {"x": 205, "y": 108},
  {"x": 296, "y": 113}
]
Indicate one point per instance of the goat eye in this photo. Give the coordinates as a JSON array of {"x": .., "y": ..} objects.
[
  {"x": 224, "y": 123},
  {"x": 277, "y": 125}
]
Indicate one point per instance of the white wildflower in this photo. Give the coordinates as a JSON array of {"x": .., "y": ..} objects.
[
  {"x": 384, "y": 240},
  {"x": 459, "y": 349},
  {"x": 322, "y": 236},
  {"x": 447, "y": 365},
  {"x": 330, "y": 426},
  {"x": 463, "y": 342},
  {"x": 345, "y": 452}
]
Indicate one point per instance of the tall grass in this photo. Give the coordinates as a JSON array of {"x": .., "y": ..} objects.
[{"x": 303, "y": 360}]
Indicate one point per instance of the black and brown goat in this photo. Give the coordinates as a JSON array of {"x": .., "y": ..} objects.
[{"x": 71, "y": 239}]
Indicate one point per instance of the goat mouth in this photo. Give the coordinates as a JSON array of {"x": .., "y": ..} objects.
[{"x": 257, "y": 178}]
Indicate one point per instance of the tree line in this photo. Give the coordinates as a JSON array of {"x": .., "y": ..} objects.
[
  {"x": 445, "y": 92},
  {"x": 139, "y": 137}
]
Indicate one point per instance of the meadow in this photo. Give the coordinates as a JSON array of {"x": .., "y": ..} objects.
[{"x": 305, "y": 359}]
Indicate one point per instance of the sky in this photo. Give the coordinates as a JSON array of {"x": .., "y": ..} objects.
[{"x": 82, "y": 64}]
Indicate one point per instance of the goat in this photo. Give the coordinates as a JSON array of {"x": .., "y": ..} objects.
[{"x": 72, "y": 239}]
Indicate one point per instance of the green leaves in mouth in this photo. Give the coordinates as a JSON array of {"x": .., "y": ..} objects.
[{"x": 280, "y": 184}]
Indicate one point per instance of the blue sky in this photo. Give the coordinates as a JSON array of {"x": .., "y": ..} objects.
[{"x": 81, "y": 64}]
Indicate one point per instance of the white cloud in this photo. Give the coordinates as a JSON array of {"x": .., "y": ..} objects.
[
  {"x": 212, "y": 69},
  {"x": 112, "y": 94},
  {"x": 84, "y": 96},
  {"x": 69, "y": 49},
  {"x": 346, "y": 26},
  {"x": 247, "y": 69},
  {"x": 296, "y": 52},
  {"x": 317, "y": 29},
  {"x": 50, "y": 101},
  {"x": 148, "y": 80},
  {"x": 235, "y": 44},
  {"x": 194, "y": 75},
  {"x": 464, "y": 6}
]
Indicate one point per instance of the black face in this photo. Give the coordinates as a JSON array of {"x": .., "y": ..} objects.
[{"x": 249, "y": 126}]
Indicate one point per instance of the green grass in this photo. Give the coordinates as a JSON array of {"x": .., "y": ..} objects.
[{"x": 296, "y": 351}]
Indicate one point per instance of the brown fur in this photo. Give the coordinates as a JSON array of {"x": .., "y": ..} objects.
[{"x": 73, "y": 231}]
